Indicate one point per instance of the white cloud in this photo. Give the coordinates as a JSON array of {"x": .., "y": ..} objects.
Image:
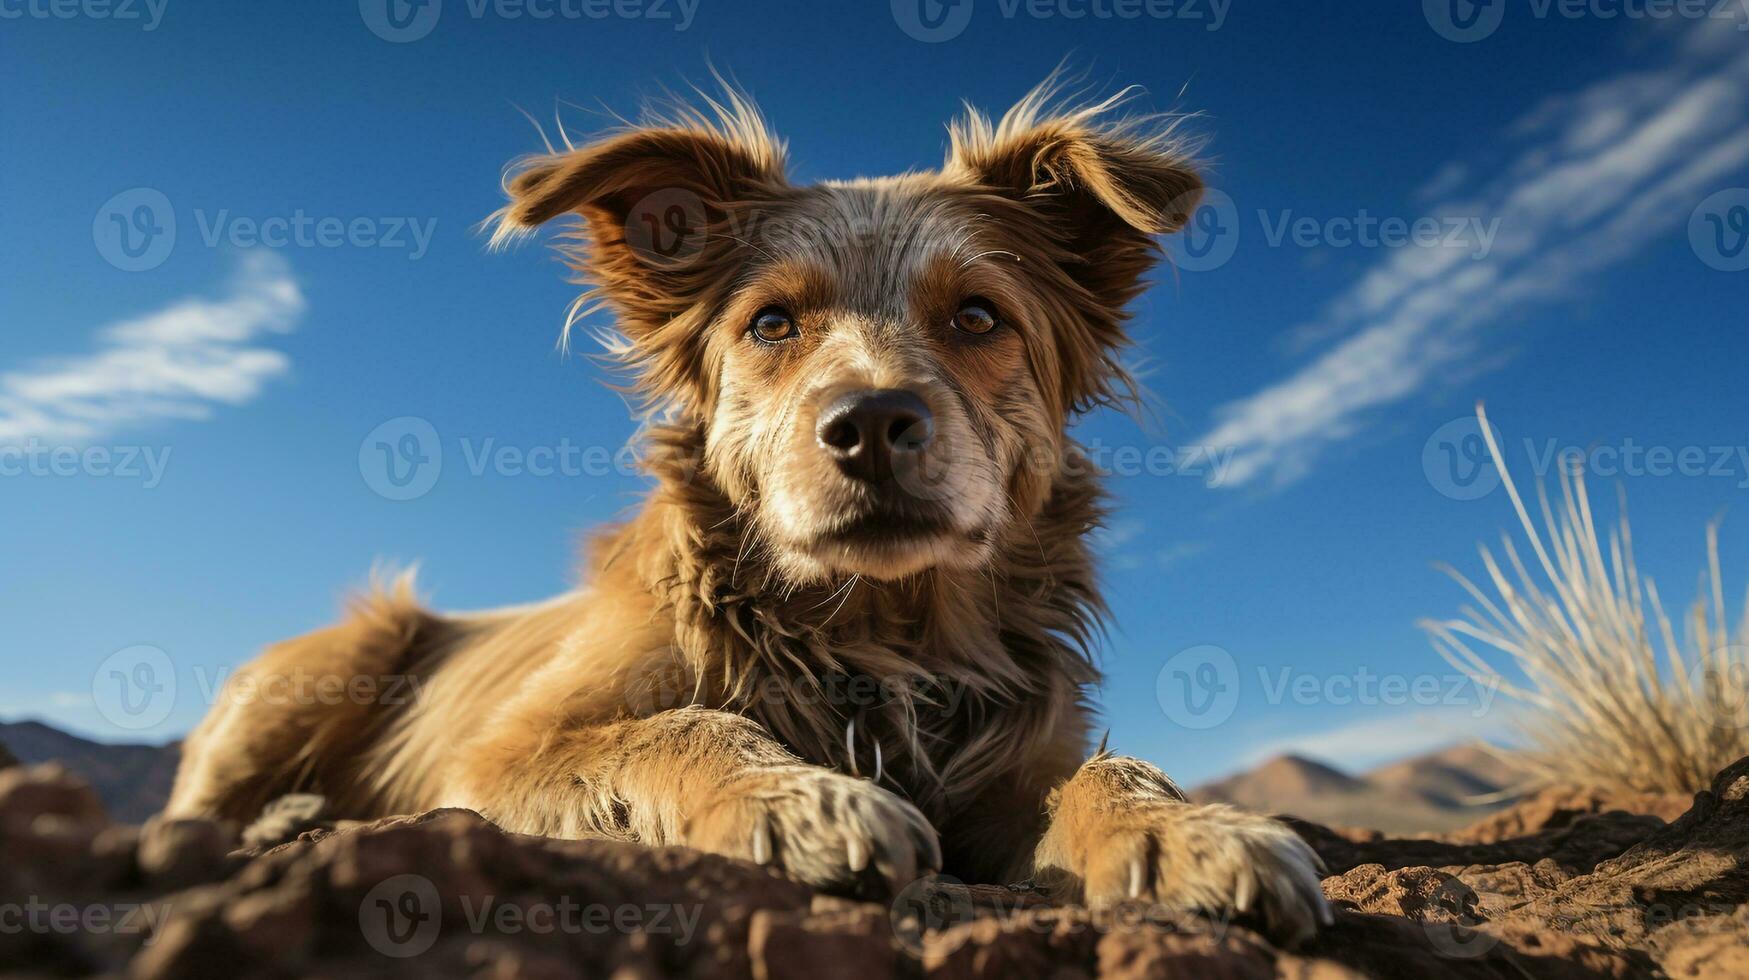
[
  {"x": 176, "y": 363},
  {"x": 1597, "y": 175}
]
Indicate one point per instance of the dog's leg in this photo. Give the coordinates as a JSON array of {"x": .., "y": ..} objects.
[
  {"x": 703, "y": 778},
  {"x": 1121, "y": 830},
  {"x": 296, "y": 717}
]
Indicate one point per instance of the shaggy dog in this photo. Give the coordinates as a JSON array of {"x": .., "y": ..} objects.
[{"x": 848, "y": 632}]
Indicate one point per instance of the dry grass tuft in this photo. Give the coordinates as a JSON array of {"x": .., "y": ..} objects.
[{"x": 1616, "y": 700}]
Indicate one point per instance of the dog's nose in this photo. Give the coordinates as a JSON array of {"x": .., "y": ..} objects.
[{"x": 867, "y": 432}]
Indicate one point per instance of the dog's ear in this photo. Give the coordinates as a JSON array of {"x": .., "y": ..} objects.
[
  {"x": 1101, "y": 192},
  {"x": 1104, "y": 189},
  {"x": 659, "y": 206}
]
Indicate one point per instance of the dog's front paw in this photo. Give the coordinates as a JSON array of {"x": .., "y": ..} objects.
[
  {"x": 1212, "y": 860},
  {"x": 823, "y": 828}
]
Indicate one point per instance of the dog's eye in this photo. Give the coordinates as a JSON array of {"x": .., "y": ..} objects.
[
  {"x": 977, "y": 316},
  {"x": 773, "y": 325}
]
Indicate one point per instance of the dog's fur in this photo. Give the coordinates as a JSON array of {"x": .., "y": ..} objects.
[{"x": 772, "y": 661}]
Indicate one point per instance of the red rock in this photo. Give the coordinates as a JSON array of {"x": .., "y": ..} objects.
[{"x": 1564, "y": 885}]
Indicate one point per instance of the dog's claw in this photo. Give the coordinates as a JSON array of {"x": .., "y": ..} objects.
[
  {"x": 1211, "y": 860},
  {"x": 825, "y": 828},
  {"x": 762, "y": 840}
]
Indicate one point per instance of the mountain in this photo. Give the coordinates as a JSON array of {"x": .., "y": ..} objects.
[
  {"x": 1425, "y": 794},
  {"x": 1450, "y": 776},
  {"x": 133, "y": 781}
]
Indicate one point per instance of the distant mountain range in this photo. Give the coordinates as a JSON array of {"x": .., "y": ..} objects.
[
  {"x": 1425, "y": 794},
  {"x": 132, "y": 780}
]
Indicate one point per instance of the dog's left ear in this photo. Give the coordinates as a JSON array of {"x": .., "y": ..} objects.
[
  {"x": 1105, "y": 190},
  {"x": 1102, "y": 193}
]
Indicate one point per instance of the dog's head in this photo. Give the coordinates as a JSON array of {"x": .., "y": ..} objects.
[{"x": 884, "y": 369}]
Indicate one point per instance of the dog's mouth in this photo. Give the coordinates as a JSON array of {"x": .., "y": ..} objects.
[
  {"x": 890, "y": 543},
  {"x": 886, "y": 526}
]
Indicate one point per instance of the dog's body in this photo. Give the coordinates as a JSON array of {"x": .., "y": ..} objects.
[{"x": 848, "y": 632}]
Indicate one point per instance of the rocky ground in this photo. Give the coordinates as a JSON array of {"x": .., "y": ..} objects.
[{"x": 1568, "y": 884}]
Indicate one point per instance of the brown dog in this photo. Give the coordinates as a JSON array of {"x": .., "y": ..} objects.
[{"x": 847, "y": 633}]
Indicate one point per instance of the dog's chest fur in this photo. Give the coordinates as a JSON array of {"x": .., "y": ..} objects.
[{"x": 938, "y": 681}]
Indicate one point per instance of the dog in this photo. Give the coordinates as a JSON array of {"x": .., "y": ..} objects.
[{"x": 849, "y": 632}]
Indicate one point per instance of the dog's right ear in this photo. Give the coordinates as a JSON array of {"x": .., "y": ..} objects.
[{"x": 659, "y": 206}]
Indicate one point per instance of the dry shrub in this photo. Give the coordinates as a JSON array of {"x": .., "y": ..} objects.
[{"x": 1615, "y": 699}]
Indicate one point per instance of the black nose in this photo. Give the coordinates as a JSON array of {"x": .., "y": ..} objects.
[{"x": 868, "y": 431}]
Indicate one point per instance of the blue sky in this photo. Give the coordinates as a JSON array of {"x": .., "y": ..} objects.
[{"x": 1542, "y": 208}]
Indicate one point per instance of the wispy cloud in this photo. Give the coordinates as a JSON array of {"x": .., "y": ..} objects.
[
  {"x": 176, "y": 363},
  {"x": 1176, "y": 554},
  {"x": 1593, "y": 176}
]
